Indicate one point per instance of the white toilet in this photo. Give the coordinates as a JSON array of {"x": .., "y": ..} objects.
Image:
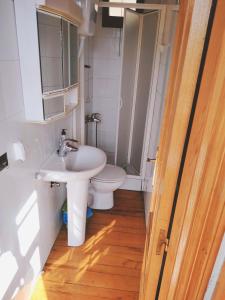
[{"x": 104, "y": 184}]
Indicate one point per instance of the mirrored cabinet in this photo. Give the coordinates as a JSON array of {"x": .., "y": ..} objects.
[{"x": 48, "y": 49}]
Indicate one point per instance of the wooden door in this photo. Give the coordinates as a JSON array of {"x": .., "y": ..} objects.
[
  {"x": 189, "y": 41},
  {"x": 199, "y": 221}
]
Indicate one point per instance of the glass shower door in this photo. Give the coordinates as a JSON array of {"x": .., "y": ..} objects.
[
  {"x": 129, "y": 69},
  {"x": 139, "y": 47},
  {"x": 149, "y": 34}
]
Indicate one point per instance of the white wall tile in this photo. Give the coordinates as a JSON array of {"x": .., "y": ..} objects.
[
  {"x": 86, "y": 74},
  {"x": 108, "y": 109},
  {"x": 106, "y": 47},
  {"x": 90, "y": 87},
  {"x": 91, "y": 134},
  {"x": 86, "y": 91},
  {"x": 2, "y": 103},
  {"x": 11, "y": 87},
  {"x": 106, "y": 68},
  {"x": 8, "y": 44},
  {"x": 105, "y": 88},
  {"x": 89, "y": 107}
]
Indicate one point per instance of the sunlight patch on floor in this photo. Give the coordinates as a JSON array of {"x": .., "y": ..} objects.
[
  {"x": 95, "y": 239},
  {"x": 40, "y": 287},
  {"x": 90, "y": 261}
]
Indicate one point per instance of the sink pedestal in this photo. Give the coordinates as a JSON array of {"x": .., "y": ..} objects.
[
  {"x": 77, "y": 197},
  {"x": 75, "y": 169}
]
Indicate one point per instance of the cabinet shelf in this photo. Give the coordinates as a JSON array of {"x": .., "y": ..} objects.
[{"x": 68, "y": 109}]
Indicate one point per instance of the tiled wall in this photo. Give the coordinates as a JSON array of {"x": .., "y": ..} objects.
[
  {"x": 30, "y": 210},
  {"x": 106, "y": 64}
]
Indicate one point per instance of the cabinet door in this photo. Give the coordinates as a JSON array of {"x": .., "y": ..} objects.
[
  {"x": 50, "y": 47},
  {"x": 73, "y": 54},
  {"x": 53, "y": 106}
]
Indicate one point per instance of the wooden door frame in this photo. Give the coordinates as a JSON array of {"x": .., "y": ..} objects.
[{"x": 189, "y": 42}]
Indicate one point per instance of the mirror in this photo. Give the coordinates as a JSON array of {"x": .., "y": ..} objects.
[
  {"x": 50, "y": 47},
  {"x": 58, "y": 48},
  {"x": 73, "y": 55},
  {"x": 65, "y": 33}
]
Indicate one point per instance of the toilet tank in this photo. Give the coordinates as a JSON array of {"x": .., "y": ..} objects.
[{"x": 89, "y": 10}]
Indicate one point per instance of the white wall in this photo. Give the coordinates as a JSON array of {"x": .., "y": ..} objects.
[
  {"x": 106, "y": 81},
  {"x": 220, "y": 260},
  {"x": 165, "y": 57},
  {"x": 30, "y": 210}
]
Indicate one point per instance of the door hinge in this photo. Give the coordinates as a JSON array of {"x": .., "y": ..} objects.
[{"x": 162, "y": 240}]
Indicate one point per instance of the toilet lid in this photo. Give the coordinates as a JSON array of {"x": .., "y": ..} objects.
[{"x": 111, "y": 173}]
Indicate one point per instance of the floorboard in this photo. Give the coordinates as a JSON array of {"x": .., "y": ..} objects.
[{"x": 108, "y": 265}]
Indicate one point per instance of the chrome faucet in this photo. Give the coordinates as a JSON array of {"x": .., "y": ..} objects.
[{"x": 66, "y": 147}]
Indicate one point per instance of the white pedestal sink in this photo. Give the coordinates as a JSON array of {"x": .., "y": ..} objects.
[{"x": 75, "y": 169}]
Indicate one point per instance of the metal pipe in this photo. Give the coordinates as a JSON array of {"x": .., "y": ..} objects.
[{"x": 96, "y": 134}]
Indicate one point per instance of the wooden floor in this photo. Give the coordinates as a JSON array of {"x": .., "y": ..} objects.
[{"x": 108, "y": 265}]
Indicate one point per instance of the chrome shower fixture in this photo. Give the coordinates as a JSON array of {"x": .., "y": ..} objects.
[{"x": 95, "y": 117}]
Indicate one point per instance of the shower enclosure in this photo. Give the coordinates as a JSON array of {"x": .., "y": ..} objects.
[
  {"x": 142, "y": 35},
  {"x": 131, "y": 105}
]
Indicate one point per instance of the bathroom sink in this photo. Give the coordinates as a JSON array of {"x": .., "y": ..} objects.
[
  {"x": 82, "y": 164},
  {"x": 75, "y": 169}
]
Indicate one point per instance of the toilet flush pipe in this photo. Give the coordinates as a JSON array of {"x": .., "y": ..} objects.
[
  {"x": 81, "y": 90},
  {"x": 96, "y": 134}
]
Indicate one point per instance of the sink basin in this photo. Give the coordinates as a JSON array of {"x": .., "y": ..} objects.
[
  {"x": 82, "y": 164},
  {"x": 75, "y": 170}
]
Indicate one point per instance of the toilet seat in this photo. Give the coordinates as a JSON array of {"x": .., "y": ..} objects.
[{"x": 110, "y": 173}]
